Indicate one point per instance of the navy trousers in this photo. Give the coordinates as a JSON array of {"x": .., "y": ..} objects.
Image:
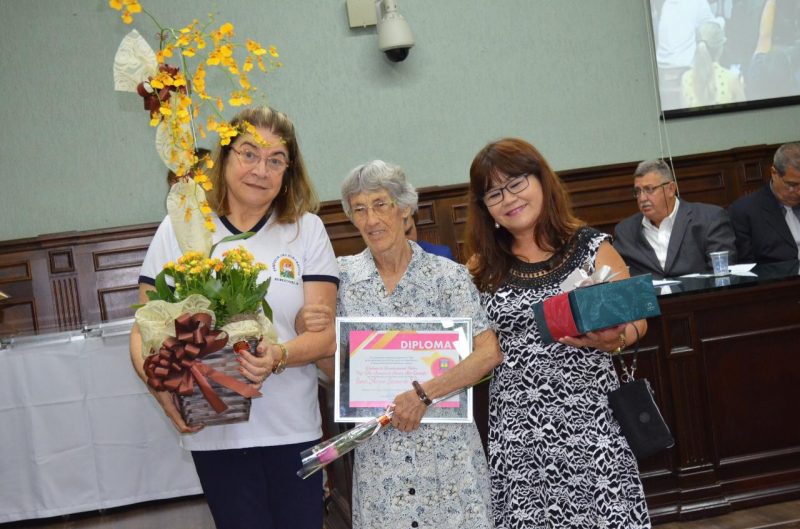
[{"x": 258, "y": 488}]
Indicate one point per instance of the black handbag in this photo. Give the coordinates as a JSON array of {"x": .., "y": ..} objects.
[{"x": 637, "y": 414}]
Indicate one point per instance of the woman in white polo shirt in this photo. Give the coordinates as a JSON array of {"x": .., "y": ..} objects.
[{"x": 247, "y": 469}]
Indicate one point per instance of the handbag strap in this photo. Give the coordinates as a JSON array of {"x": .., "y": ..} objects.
[{"x": 628, "y": 373}]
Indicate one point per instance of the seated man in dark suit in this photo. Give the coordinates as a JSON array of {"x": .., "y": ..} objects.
[
  {"x": 436, "y": 249},
  {"x": 670, "y": 237},
  {"x": 767, "y": 222}
]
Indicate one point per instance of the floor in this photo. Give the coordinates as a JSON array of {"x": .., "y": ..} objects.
[{"x": 192, "y": 513}]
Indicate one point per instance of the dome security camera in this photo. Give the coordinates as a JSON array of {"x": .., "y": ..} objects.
[{"x": 394, "y": 34}]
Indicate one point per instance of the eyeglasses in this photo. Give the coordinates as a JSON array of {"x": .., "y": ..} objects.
[
  {"x": 380, "y": 208},
  {"x": 513, "y": 186},
  {"x": 647, "y": 190},
  {"x": 250, "y": 158},
  {"x": 791, "y": 186}
]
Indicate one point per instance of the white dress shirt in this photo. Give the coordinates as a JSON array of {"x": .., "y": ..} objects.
[
  {"x": 794, "y": 226},
  {"x": 658, "y": 237}
]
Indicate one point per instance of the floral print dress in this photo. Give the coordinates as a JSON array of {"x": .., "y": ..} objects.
[{"x": 436, "y": 476}]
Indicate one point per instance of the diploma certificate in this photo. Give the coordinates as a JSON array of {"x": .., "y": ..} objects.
[{"x": 378, "y": 358}]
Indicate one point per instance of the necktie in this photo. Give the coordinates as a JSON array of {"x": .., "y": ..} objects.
[{"x": 796, "y": 210}]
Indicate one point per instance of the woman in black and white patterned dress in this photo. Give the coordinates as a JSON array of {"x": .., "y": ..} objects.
[{"x": 556, "y": 455}]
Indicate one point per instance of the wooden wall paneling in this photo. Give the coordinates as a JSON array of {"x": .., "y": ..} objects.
[
  {"x": 603, "y": 203},
  {"x": 116, "y": 303},
  {"x": 446, "y": 221},
  {"x": 459, "y": 210},
  {"x": 61, "y": 261},
  {"x": 705, "y": 184},
  {"x": 64, "y": 285},
  {"x": 749, "y": 387},
  {"x": 18, "y": 313},
  {"x": 18, "y": 316},
  {"x": 659, "y": 473},
  {"x": 693, "y": 446},
  {"x": 752, "y": 357},
  {"x": 345, "y": 238},
  {"x": 754, "y": 169},
  {"x": 428, "y": 227},
  {"x": 700, "y": 492},
  {"x": 15, "y": 271},
  {"x": 113, "y": 283},
  {"x": 52, "y": 312},
  {"x": 16, "y": 282},
  {"x": 116, "y": 258},
  {"x": 67, "y": 302}
]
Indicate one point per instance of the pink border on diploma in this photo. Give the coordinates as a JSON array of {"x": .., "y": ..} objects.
[{"x": 377, "y": 404}]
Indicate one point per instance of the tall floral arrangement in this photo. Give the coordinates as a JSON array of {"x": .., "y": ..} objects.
[
  {"x": 193, "y": 329},
  {"x": 172, "y": 84}
]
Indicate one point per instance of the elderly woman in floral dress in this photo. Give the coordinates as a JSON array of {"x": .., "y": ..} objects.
[{"x": 413, "y": 475}]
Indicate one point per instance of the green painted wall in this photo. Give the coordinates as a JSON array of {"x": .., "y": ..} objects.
[{"x": 572, "y": 76}]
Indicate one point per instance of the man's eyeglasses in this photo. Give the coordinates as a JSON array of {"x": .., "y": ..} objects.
[
  {"x": 647, "y": 190},
  {"x": 791, "y": 186},
  {"x": 250, "y": 158},
  {"x": 513, "y": 186},
  {"x": 380, "y": 208}
]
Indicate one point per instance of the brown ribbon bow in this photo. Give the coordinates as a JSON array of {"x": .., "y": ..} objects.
[
  {"x": 178, "y": 364},
  {"x": 152, "y": 97}
]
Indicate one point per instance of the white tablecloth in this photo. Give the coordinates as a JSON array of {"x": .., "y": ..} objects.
[{"x": 79, "y": 431}]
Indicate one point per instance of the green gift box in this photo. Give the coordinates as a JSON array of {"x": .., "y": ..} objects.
[{"x": 596, "y": 307}]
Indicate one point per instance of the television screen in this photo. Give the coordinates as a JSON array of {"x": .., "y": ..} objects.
[{"x": 725, "y": 55}]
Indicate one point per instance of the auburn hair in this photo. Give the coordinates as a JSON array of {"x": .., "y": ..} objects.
[{"x": 490, "y": 247}]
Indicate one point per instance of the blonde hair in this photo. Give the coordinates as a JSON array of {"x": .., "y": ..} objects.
[{"x": 710, "y": 41}]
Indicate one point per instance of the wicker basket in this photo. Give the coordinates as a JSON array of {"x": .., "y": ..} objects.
[{"x": 196, "y": 410}]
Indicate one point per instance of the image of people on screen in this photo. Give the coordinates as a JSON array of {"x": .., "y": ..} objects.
[{"x": 726, "y": 51}]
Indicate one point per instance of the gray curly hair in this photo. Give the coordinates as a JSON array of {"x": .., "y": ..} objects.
[
  {"x": 375, "y": 176},
  {"x": 655, "y": 166}
]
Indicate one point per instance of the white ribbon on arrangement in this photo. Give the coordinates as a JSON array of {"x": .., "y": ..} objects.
[
  {"x": 135, "y": 62},
  {"x": 242, "y": 329},
  {"x": 580, "y": 278},
  {"x": 183, "y": 206},
  {"x": 156, "y": 319},
  {"x": 165, "y": 144}
]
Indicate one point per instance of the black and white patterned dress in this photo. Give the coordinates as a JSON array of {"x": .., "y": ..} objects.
[{"x": 556, "y": 454}]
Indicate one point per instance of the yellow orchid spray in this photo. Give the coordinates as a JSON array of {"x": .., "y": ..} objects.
[{"x": 176, "y": 95}]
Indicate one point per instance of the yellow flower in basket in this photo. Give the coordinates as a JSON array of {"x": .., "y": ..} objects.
[{"x": 191, "y": 332}]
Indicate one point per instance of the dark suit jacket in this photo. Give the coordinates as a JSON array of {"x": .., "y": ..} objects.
[
  {"x": 698, "y": 230},
  {"x": 762, "y": 235}
]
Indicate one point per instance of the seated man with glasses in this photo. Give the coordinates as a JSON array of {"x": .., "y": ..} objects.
[
  {"x": 767, "y": 222},
  {"x": 670, "y": 237}
]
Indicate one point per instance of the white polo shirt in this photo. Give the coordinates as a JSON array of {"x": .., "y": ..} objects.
[{"x": 288, "y": 411}]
